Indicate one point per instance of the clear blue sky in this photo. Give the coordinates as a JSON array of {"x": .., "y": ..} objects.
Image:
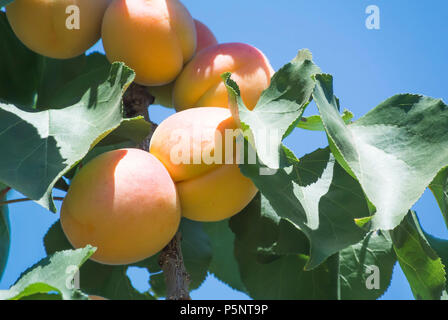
[{"x": 408, "y": 54}]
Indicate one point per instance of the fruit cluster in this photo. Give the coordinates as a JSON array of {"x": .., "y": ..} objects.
[{"x": 129, "y": 202}]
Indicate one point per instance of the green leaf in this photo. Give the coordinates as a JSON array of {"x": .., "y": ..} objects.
[
  {"x": 394, "y": 151},
  {"x": 440, "y": 246},
  {"x": 314, "y": 123},
  {"x": 279, "y": 108},
  {"x": 419, "y": 262},
  {"x": 196, "y": 250},
  {"x": 439, "y": 187},
  {"x": 106, "y": 281},
  {"x": 132, "y": 131},
  {"x": 20, "y": 67},
  {"x": 224, "y": 265},
  {"x": 5, "y": 2},
  {"x": 40, "y": 147},
  {"x": 58, "y": 77},
  {"x": 285, "y": 278},
  {"x": 357, "y": 265},
  {"x": 318, "y": 197},
  {"x": 5, "y": 235},
  {"x": 52, "y": 274},
  {"x": 272, "y": 258}
]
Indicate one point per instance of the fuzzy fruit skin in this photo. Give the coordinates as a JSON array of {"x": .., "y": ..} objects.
[
  {"x": 207, "y": 191},
  {"x": 200, "y": 83},
  {"x": 91, "y": 297},
  {"x": 205, "y": 36},
  {"x": 205, "y": 39},
  {"x": 153, "y": 37},
  {"x": 41, "y": 25},
  {"x": 123, "y": 202}
]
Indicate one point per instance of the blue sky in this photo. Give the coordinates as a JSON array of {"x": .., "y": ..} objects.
[{"x": 407, "y": 54}]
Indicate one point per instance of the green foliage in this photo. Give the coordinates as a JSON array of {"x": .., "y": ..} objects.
[
  {"x": 49, "y": 143},
  {"x": 5, "y": 2},
  {"x": 223, "y": 264},
  {"x": 312, "y": 194},
  {"x": 106, "y": 281},
  {"x": 420, "y": 263},
  {"x": 315, "y": 229},
  {"x": 394, "y": 151},
  {"x": 52, "y": 274},
  {"x": 279, "y": 108},
  {"x": 269, "y": 270},
  {"x": 314, "y": 123},
  {"x": 439, "y": 187},
  {"x": 20, "y": 67},
  {"x": 355, "y": 267}
]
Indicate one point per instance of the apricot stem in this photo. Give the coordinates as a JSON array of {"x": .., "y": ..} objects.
[
  {"x": 136, "y": 101},
  {"x": 4, "y": 203}
]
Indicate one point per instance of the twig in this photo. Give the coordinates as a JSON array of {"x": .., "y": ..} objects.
[
  {"x": 4, "y": 203},
  {"x": 136, "y": 102}
]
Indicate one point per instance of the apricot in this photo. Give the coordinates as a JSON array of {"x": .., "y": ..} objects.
[
  {"x": 192, "y": 146},
  {"x": 205, "y": 39},
  {"x": 42, "y": 25},
  {"x": 200, "y": 83},
  {"x": 153, "y": 37},
  {"x": 123, "y": 202},
  {"x": 91, "y": 297}
]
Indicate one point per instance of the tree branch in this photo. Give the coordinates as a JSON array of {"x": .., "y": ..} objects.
[
  {"x": 3, "y": 203},
  {"x": 136, "y": 101}
]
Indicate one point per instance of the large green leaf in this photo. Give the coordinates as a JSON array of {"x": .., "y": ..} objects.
[
  {"x": 106, "y": 281},
  {"x": 52, "y": 274},
  {"x": 314, "y": 123},
  {"x": 20, "y": 68},
  {"x": 59, "y": 76},
  {"x": 359, "y": 263},
  {"x": 319, "y": 197},
  {"x": 40, "y": 147},
  {"x": 224, "y": 265},
  {"x": 196, "y": 250},
  {"x": 439, "y": 187},
  {"x": 272, "y": 258},
  {"x": 279, "y": 108},
  {"x": 440, "y": 246},
  {"x": 394, "y": 151},
  {"x": 5, "y": 236},
  {"x": 5, "y": 2},
  {"x": 420, "y": 263}
]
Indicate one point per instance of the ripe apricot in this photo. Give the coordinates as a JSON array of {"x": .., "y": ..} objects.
[
  {"x": 123, "y": 202},
  {"x": 205, "y": 36},
  {"x": 153, "y": 37},
  {"x": 42, "y": 25},
  {"x": 91, "y": 297},
  {"x": 205, "y": 39},
  {"x": 200, "y": 83},
  {"x": 192, "y": 146}
]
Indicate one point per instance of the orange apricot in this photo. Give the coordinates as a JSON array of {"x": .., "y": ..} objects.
[
  {"x": 51, "y": 28},
  {"x": 205, "y": 39},
  {"x": 195, "y": 148},
  {"x": 200, "y": 83},
  {"x": 123, "y": 202},
  {"x": 153, "y": 37}
]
